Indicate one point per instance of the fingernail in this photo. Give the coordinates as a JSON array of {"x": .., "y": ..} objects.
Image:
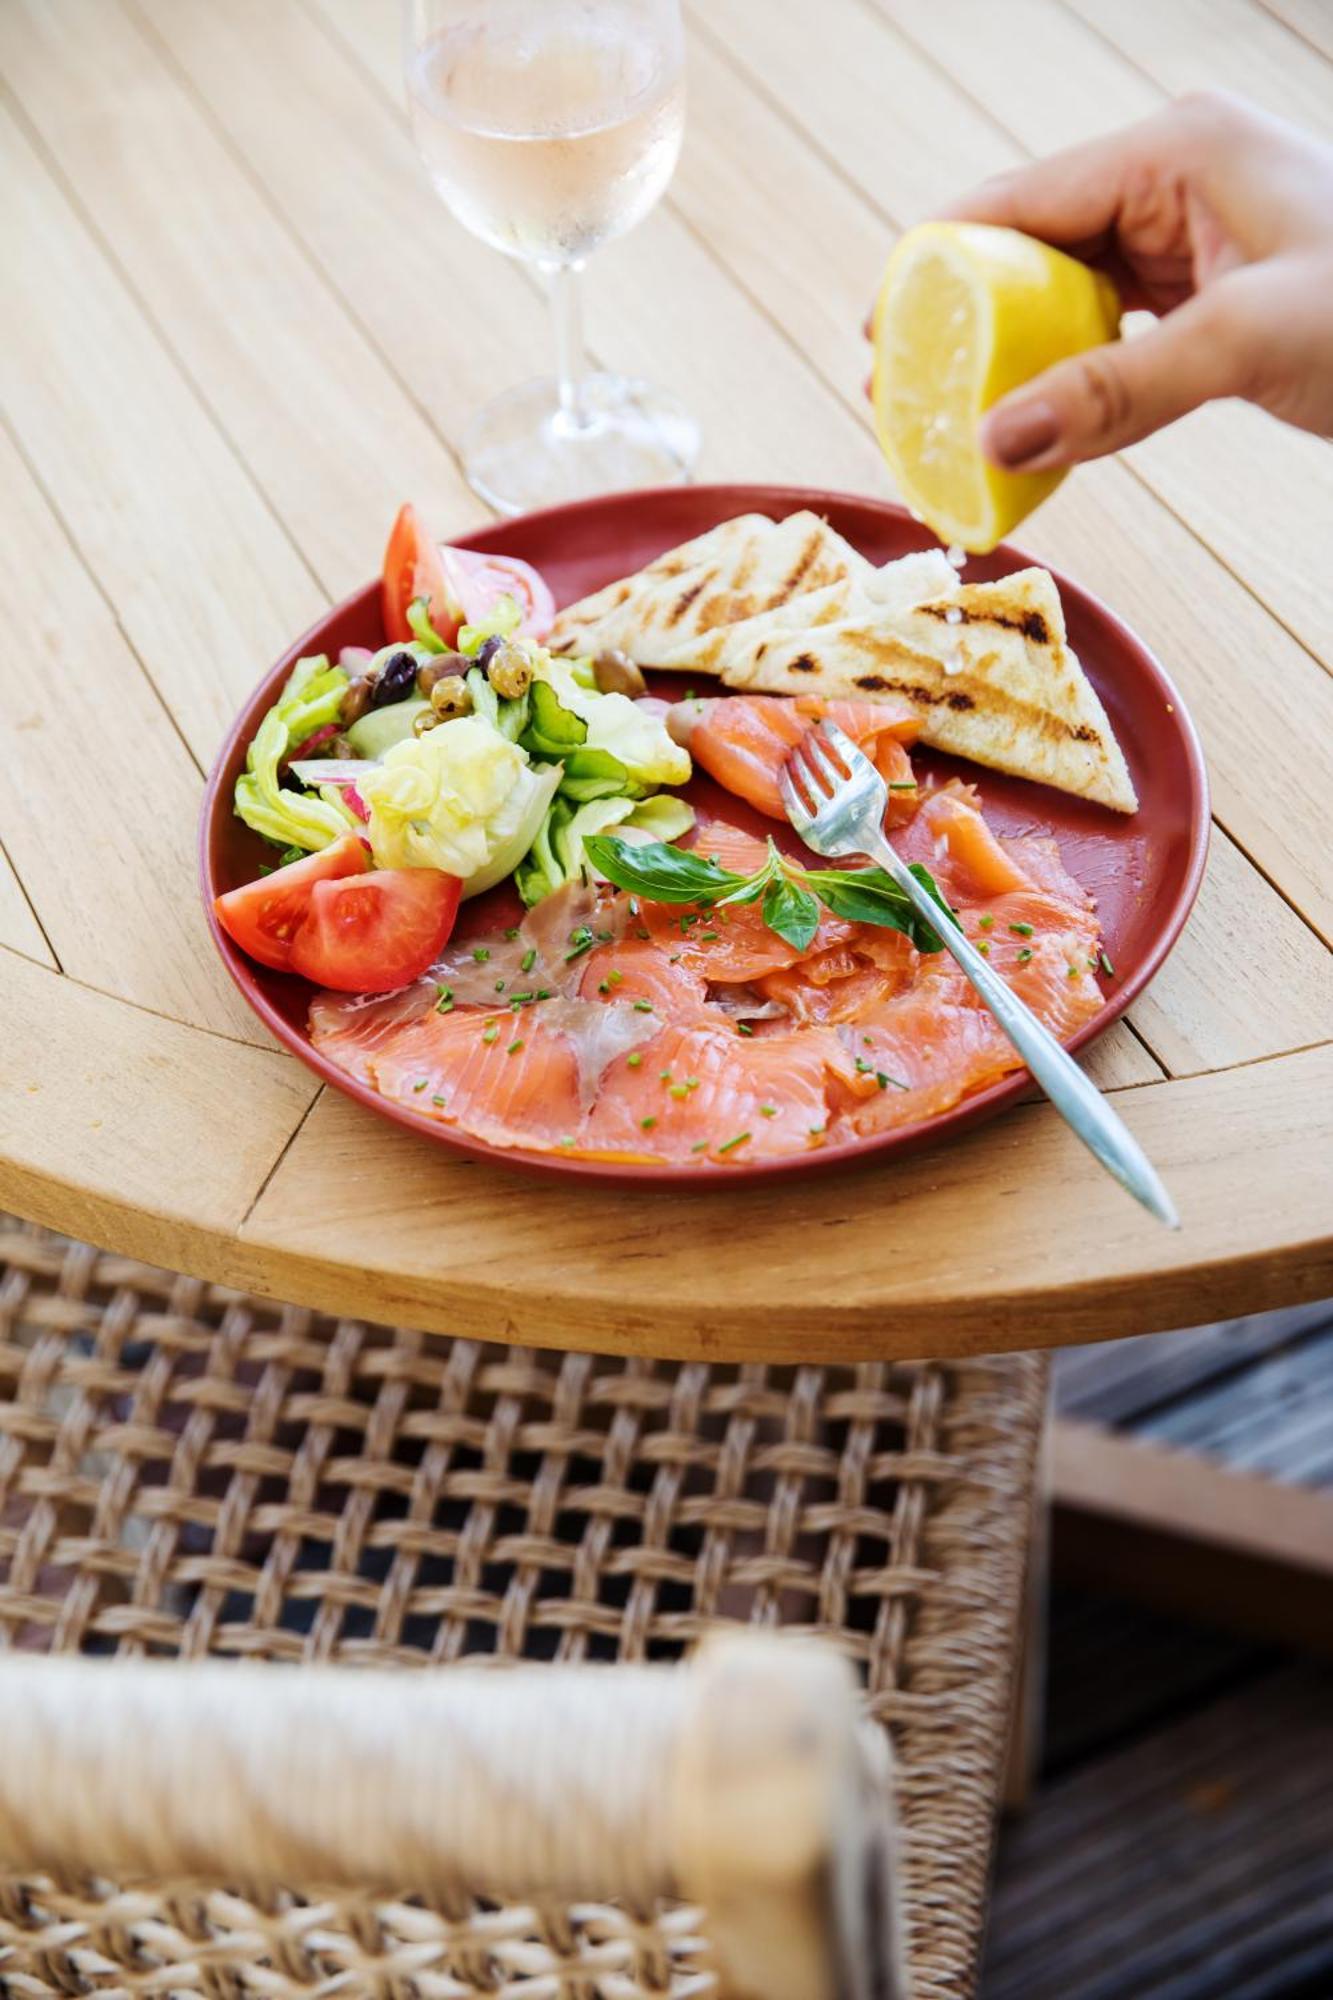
[{"x": 1014, "y": 436}]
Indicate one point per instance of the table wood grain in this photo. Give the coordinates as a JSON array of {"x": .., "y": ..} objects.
[{"x": 242, "y": 329}]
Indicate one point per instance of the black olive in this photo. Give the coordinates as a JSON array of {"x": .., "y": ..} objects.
[
  {"x": 485, "y": 650},
  {"x": 396, "y": 680}
]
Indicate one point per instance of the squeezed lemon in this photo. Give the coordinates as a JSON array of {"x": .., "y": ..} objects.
[{"x": 967, "y": 312}]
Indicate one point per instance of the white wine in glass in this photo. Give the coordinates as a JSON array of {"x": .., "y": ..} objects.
[{"x": 550, "y": 126}]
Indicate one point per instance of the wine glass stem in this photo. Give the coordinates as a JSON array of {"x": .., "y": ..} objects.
[{"x": 570, "y": 361}]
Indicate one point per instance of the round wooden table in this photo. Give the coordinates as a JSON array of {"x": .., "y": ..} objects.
[{"x": 234, "y": 353}]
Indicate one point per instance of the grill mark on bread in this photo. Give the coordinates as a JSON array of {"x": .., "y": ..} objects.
[
  {"x": 1031, "y": 624},
  {"x": 687, "y": 597},
  {"x": 796, "y": 575}
]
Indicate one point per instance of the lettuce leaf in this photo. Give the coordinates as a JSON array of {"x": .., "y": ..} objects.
[
  {"x": 311, "y": 699},
  {"x": 557, "y": 854},
  {"x": 579, "y": 724}
]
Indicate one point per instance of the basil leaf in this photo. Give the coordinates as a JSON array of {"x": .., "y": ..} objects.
[
  {"x": 792, "y": 912},
  {"x": 658, "y": 872},
  {"x": 870, "y": 896}
]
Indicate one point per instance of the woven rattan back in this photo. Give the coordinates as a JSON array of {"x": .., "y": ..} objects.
[{"x": 185, "y": 1471}]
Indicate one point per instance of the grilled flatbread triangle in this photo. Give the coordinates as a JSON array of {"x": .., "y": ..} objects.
[
  {"x": 743, "y": 566},
  {"x": 861, "y": 595},
  {"x": 989, "y": 669}
]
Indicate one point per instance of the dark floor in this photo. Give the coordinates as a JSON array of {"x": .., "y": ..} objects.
[{"x": 1179, "y": 1845}]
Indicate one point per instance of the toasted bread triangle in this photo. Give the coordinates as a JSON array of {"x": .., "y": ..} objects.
[
  {"x": 989, "y": 668},
  {"x": 744, "y": 566}
]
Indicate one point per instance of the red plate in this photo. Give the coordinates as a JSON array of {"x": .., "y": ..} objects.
[{"x": 1144, "y": 871}]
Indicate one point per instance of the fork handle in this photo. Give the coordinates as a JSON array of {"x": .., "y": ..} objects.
[{"x": 1073, "y": 1094}]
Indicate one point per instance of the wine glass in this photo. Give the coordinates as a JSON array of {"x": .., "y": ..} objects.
[{"x": 550, "y": 126}]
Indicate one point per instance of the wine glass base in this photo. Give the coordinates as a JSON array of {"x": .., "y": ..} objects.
[{"x": 521, "y": 451}]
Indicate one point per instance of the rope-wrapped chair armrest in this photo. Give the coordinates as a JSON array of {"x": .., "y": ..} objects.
[{"x": 743, "y": 1781}]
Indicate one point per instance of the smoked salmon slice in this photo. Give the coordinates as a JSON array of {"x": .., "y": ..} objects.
[
  {"x": 602, "y": 1026},
  {"x": 744, "y": 740}
]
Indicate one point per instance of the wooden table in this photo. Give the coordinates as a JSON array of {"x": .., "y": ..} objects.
[{"x": 244, "y": 329}]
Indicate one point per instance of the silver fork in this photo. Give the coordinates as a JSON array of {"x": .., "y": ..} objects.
[{"x": 841, "y": 812}]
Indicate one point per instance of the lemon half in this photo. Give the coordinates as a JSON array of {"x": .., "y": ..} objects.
[{"x": 966, "y": 313}]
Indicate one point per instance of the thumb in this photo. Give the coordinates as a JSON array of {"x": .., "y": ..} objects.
[{"x": 1112, "y": 396}]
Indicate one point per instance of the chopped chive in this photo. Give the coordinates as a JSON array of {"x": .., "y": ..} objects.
[
  {"x": 744, "y": 1028},
  {"x": 491, "y": 1035},
  {"x": 674, "y": 958},
  {"x": 691, "y": 1083},
  {"x": 1021, "y": 930},
  {"x": 702, "y": 1147},
  {"x": 480, "y": 953},
  {"x": 897, "y": 788},
  {"x": 499, "y": 986},
  {"x": 768, "y": 1111},
  {"x": 664, "y": 1076},
  {"x": 689, "y": 694},
  {"x": 603, "y": 986},
  {"x": 545, "y": 993},
  {"x": 643, "y": 1006},
  {"x": 642, "y": 934},
  {"x": 1071, "y": 972},
  {"x": 984, "y": 948},
  {"x": 730, "y": 1145},
  {"x": 678, "y": 1090},
  {"x": 708, "y": 937},
  {"x": 984, "y": 923},
  {"x": 635, "y": 1060},
  {"x": 863, "y": 1067},
  {"x": 446, "y": 1000},
  {"x": 615, "y": 977},
  {"x": 512, "y": 934},
  {"x": 438, "y": 1100},
  {"x": 422, "y": 1084},
  {"x": 884, "y": 1080},
  {"x": 568, "y": 1139},
  {"x": 647, "y": 1124},
  {"x": 1024, "y": 955},
  {"x": 1106, "y": 965},
  {"x": 580, "y": 940},
  {"x": 528, "y": 960},
  {"x": 514, "y": 1047},
  {"x": 521, "y": 999},
  {"x": 818, "y": 1131}
]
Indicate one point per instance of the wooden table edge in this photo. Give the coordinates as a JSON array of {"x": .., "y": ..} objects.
[{"x": 1023, "y": 1317}]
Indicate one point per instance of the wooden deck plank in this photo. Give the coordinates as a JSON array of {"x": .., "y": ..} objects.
[
  {"x": 235, "y": 294},
  {"x": 1125, "y": 1381},
  {"x": 137, "y": 468},
  {"x": 118, "y": 784},
  {"x": 1195, "y": 1857},
  {"x": 1257, "y": 492},
  {"x": 1276, "y": 1419}
]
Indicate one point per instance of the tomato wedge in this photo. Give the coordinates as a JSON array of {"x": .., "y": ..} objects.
[
  {"x": 460, "y": 584},
  {"x": 412, "y": 568},
  {"x": 374, "y": 932},
  {"x": 264, "y": 916}
]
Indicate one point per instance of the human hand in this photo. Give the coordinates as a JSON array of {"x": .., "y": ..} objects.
[{"x": 1212, "y": 215}]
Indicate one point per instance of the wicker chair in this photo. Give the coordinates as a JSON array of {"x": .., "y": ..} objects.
[{"x": 187, "y": 1472}]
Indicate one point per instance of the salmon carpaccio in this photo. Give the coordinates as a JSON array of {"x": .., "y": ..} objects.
[{"x": 601, "y": 1028}]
